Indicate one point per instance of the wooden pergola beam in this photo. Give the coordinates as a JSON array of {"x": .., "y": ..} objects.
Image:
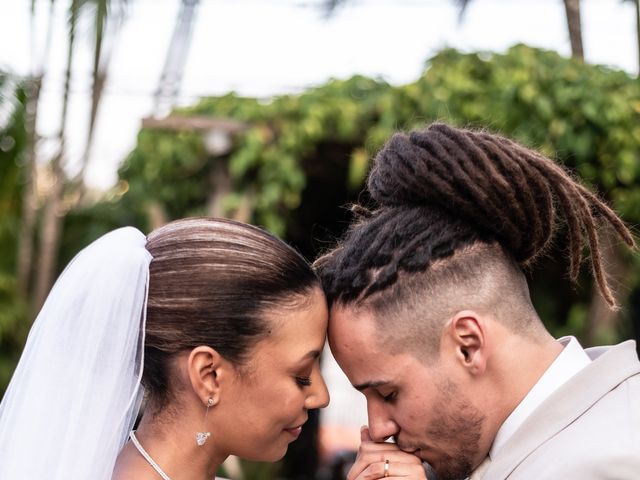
[{"x": 195, "y": 123}]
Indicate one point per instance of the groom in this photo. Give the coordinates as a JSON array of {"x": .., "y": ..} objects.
[{"x": 432, "y": 321}]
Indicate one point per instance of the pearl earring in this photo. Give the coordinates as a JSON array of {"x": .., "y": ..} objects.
[{"x": 201, "y": 437}]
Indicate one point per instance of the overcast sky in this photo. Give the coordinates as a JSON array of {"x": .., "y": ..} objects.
[{"x": 264, "y": 47}]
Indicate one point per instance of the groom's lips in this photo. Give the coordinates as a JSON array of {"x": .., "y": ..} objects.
[
  {"x": 414, "y": 451},
  {"x": 408, "y": 449}
]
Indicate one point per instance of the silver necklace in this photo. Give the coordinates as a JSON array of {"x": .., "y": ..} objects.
[{"x": 144, "y": 453}]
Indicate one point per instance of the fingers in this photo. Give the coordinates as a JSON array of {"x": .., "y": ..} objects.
[
  {"x": 395, "y": 470},
  {"x": 364, "y": 434},
  {"x": 372, "y": 456},
  {"x": 376, "y": 454}
]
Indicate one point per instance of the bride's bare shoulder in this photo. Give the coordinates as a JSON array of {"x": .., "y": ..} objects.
[{"x": 130, "y": 465}]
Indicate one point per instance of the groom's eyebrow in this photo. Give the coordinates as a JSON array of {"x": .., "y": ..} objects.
[{"x": 373, "y": 384}]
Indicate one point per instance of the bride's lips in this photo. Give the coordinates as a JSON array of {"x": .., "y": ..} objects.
[{"x": 295, "y": 431}]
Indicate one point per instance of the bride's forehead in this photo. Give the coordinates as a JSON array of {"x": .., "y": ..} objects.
[
  {"x": 290, "y": 346},
  {"x": 303, "y": 313}
]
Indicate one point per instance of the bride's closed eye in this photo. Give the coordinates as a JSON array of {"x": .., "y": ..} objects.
[{"x": 303, "y": 381}]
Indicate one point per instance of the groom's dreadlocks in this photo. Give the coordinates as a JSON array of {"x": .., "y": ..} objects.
[{"x": 443, "y": 189}]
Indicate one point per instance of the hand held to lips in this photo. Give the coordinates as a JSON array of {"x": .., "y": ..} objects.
[{"x": 384, "y": 460}]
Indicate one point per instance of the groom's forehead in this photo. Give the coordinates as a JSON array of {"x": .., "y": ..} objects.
[
  {"x": 363, "y": 332},
  {"x": 353, "y": 337},
  {"x": 359, "y": 343},
  {"x": 346, "y": 321}
]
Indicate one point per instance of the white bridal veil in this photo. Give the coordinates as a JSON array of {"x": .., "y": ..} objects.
[{"x": 76, "y": 391}]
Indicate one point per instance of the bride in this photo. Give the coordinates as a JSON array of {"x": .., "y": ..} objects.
[{"x": 219, "y": 323}]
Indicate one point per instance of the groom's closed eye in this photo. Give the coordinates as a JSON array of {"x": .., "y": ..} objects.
[
  {"x": 372, "y": 384},
  {"x": 389, "y": 397}
]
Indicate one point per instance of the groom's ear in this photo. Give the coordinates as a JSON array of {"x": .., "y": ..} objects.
[
  {"x": 207, "y": 368},
  {"x": 466, "y": 334}
]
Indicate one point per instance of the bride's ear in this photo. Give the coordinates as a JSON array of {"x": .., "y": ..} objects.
[{"x": 206, "y": 370}]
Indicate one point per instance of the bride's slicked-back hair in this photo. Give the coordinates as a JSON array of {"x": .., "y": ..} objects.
[
  {"x": 442, "y": 190},
  {"x": 210, "y": 283}
]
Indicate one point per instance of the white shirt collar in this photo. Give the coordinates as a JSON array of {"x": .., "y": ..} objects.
[{"x": 571, "y": 360}]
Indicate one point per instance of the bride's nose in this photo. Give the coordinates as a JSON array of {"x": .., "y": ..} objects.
[{"x": 318, "y": 394}]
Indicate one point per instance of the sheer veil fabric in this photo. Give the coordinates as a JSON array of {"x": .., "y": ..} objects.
[{"x": 76, "y": 391}]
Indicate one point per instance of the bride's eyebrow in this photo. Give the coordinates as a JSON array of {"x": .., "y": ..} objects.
[
  {"x": 313, "y": 354},
  {"x": 373, "y": 384}
]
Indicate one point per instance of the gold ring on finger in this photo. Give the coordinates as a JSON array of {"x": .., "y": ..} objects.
[{"x": 386, "y": 468}]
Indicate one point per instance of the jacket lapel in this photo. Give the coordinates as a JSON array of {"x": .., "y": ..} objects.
[{"x": 610, "y": 366}]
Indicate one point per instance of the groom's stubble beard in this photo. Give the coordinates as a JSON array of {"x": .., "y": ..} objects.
[{"x": 458, "y": 428}]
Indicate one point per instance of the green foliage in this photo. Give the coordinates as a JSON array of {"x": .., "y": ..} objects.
[
  {"x": 84, "y": 225},
  {"x": 13, "y": 140},
  {"x": 269, "y": 155},
  {"x": 13, "y": 327},
  {"x": 168, "y": 169}
]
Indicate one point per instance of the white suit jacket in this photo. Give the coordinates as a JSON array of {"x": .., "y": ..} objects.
[{"x": 588, "y": 429}]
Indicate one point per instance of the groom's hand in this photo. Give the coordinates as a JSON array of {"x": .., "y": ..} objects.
[{"x": 373, "y": 457}]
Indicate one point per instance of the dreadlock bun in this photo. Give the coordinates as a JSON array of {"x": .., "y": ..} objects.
[
  {"x": 483, "y": 179},
  {"x": 492, "y": 185}
]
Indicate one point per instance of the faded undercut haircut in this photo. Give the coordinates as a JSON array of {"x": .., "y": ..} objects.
[{"x": 459, "y": 214}]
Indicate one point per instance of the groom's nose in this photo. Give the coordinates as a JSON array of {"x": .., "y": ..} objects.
[{"x": 381, "y": 426}]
